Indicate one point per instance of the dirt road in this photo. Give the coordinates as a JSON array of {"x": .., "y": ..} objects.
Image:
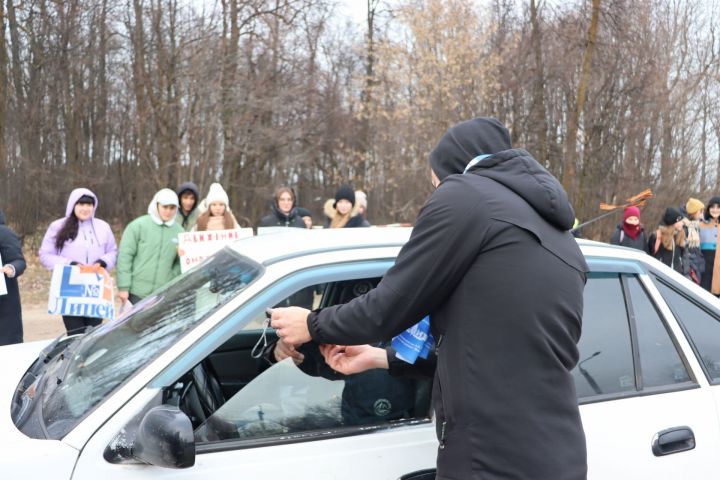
[{"x": 39, "y": 325}]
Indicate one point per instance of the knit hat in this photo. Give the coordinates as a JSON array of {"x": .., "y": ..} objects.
[
  {"x": 465, "y": 141},
  {"x": 217, "y": 194},
  {"x": 631, "y": 211},
  {"x": 671, "y": 217},
  {"x": 693, "y": 206},
  {"x": 166, "y": 197},
  {"x": 344, "y": 192}
]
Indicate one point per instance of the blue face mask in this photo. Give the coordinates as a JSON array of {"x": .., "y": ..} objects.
[{"x": 475, "y": 161}]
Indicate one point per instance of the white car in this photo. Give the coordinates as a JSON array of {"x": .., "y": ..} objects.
[{"x": 172, "y": 389}]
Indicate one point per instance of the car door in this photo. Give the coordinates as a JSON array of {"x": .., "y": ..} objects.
[
  {"x": 699, "y": 316},
  {"x": 286, "y": 423},
  {"x": 645, "y": 405}
]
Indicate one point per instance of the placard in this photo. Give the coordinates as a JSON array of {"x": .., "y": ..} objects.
[
  {"x": 197, "y": 246},
  {"x": 81, "y": 291},
  {"x": 3, "y": 286}
]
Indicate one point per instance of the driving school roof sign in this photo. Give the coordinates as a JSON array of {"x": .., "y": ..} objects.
[
  {"x": 81, "y": 291},
  {"x": 194, "y": 247}
]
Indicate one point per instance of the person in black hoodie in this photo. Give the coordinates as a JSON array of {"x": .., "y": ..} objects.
[
  {"x": 493, "y": 263},
  {"x": 188, "y": 199},
  {"x": 13, "y": 265},
  {"x": 283, "y": 211}
]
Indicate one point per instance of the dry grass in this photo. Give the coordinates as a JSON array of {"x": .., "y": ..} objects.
[{"x": 35, "y": 282}]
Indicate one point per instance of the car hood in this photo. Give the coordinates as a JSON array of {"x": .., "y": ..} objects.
[{"x": 25, "y": 457}]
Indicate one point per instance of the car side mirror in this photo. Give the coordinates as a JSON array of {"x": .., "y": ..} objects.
[{"x": 163, "y": 437}]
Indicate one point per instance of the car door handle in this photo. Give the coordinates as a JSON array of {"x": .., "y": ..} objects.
[
  {"x": 673, "y": 440},
  {"x": 428, "y": 474}
]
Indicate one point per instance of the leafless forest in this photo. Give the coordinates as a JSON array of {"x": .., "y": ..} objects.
[{"x": 124, "y": 97}]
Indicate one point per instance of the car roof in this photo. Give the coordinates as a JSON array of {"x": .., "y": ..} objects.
[
  {"x": 296, "y": 242},
  {"x": 288, "y": 243}
]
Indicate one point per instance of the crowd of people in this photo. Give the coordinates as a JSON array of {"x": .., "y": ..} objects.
[
  {"x": 686, "y": 239},
  {"x": 147, "y": 257},
  {"x": 148, "y": 254}
]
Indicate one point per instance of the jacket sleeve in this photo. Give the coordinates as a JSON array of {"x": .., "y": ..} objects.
[
  {"x": 615, "y": 239},
  {"x": 441, "y": 248},
  {"x": 11, "y": 251},
  {"x": 422, "y": 368},
  {"x": 126, "y": 255},
  {"x": 111, "y": 250},
  {"x": 48, "y": 254}
]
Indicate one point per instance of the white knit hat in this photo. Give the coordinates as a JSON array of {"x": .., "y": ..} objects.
[
  {"x": 166, "y": 197},
  {"x": 217, "y": 194}
]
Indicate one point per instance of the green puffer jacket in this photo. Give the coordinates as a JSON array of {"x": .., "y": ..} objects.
[{"x": 147, "y": 258}]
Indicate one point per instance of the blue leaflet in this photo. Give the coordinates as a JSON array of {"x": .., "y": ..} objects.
[{"x": 414, "y": 342}]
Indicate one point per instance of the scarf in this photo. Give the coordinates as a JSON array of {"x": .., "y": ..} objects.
[{"x": 632, "y": 231}]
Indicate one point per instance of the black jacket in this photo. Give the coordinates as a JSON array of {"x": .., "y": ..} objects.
[
  {"x": 11, "y": 330},
  {"x": 677, "y": 258},
  {"x": 368, "y": 397},
  {"x": 279, "y": 219},
  {"x": 619, "y": 237},
  {"x": 492, "y": 261}
]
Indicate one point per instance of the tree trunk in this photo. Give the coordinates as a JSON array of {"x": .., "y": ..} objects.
[
  {"x": 569, "y": 179},
  {"x": 539, "y": 116}
]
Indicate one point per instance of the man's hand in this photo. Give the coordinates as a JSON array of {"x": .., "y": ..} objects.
[
  {"x": 355, "y": 358},
  {"x": 291, "y": 324},
  {"x": 123, "y": 296},
  {"x": 8, "y": 271},
  {"x": 282, "y": 351}
]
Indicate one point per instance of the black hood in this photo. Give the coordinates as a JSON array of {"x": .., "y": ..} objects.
[
  {"x": 280, "y": 215},
  {"x": 2, "y": 218},
  {"x": 189, "y": 186},
  {"x": 521, "y": 173},
  {"x": 465, "y": 141}
]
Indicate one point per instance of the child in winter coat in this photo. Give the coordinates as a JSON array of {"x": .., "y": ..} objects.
[
  {"x": 630, "y": 233},
  {"x": 283, "y": 211},
  {"x": 79, "y": 239},
  {"x": 691, "y": 224},
  {"x": 148, "y": 256},
  {"x": 188, "y": 200},
  {"x": 709, "y": 245},
  {"x": 667, "y": 244},
  {"x": 342, "y": 212},
  {"x": 218, "y": 215},
  {"x": 12, "y": 265}
]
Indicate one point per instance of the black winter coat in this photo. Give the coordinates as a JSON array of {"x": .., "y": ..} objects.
[
  {"x": 677, "y": 258},
  {"x": 11, "y": 329},
  {"x": 492, "y": 261},
  {"x": 619, "y": 237},
  {"x": 279, "y": 219}
]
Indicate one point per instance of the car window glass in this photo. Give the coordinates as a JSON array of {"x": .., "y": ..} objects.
[
  {"x": 702, "y": 327},
  {"x": 264, "y": 398},
  {"x": 659, "y": 359},
  {"x": 605, "y": 364},
  {"x": 307, "y": 297},
  {"x": 111, "y": 353}
]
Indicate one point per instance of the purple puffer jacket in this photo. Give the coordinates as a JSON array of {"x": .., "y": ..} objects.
[{"x": 95, "y": 240}]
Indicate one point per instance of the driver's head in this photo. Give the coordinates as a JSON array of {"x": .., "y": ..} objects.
[{"x": 465, "y": 141}]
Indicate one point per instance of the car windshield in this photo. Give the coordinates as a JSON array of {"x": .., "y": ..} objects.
[{"x": 110, "y": 354}]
